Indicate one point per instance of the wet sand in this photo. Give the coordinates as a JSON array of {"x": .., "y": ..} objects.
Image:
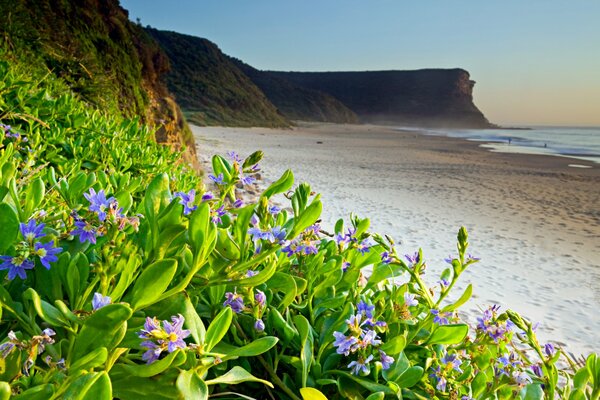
[{"x": 533, "y": 220}]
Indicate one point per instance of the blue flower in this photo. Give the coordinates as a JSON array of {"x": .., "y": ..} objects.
[
  {"x": 217, "y": 214},
  {"x": 362, "y": 365},
  {"x": 235, "y": 301},
  {"x": 98, "y": 202},
  {"x": 187, "y": 201},
  {"x": 365, "y": 309},
  {"x": 85, "y": 231},
  {"x": 369, "y": 338},
  {"x": 440, "y": 318},
  {"x": 413, "y": 259},
  {"x": 8, "y": 347},
  {"x": 238, "y": 203},
  {"x": 250, "y": 273},
  {"x": 46, "y": 252},
  {"x": 521, "y": 378},
  {"x": 386, "y": 361},
  {"x": 278, "y": 234},
  {"x": 345, "y": 344},
  {"x": 234, "y": 156},
  {"x": 549, "y": 349},
  {"x": 153, "y": 352},
  {"x": 31, "y": 230},
  {"x": 168, "y": 337},
  {"x": 207, "y": 196},
  {"x": 364, "y": 246},
  {"x": 260, "y": 297},
  {"x": 259, "y": 325},
  {"x": 409, "y": 299},
  {"x": 217, "y": 179},
  {"x": 274, "y": 210},
  {"x": 472, "y": 258},
  {"x": 386, "y": 257},
  {"x": 247, "y": 180},
  {"x": 451, "y": 362},
  {"x": 16, "y": 266},
  {"x": 99, "y": 301},
  {"x": 175, "y": 333}
]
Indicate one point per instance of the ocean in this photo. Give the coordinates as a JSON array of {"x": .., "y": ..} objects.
[{"x": 576, "y": 142}]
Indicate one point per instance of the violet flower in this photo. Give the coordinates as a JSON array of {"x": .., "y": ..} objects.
[
  {"x": 98, "y": 202},
  {"x": 32, "y": 230},
  {"x": 46, "y": 252},
  {"x": 16, "y": 266},
  {"x": 187, "y": 201},
  {"x": 99, "y": 301},
  {"x": 235, "y": 301},
  {"x": 361, "y": 365}
]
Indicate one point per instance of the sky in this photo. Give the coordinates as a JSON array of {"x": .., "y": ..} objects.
[{"x": 535, "y": 62}]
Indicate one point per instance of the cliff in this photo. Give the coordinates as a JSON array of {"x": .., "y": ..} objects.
[
  {"x": 297, "y": 102},
  {"x": 106, "y": 60},
  {"x": 209, "y": 87},
  {"x": 427, "y": 97}
]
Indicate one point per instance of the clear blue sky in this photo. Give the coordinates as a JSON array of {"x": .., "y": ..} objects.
[{"x": 535, "y": 62}]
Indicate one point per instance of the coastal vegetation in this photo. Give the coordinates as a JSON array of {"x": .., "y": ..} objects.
[{"x": 124, "y": 277}]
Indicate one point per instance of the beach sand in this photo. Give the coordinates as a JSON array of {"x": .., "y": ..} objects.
[{"x": 533, "y": 220}]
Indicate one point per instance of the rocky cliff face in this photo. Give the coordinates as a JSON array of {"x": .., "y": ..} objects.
[
  {"x": 107, "y": 60},
  {"x": 428, "y": 97}
]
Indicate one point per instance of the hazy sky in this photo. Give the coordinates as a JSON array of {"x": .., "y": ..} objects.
[{"x": 535, "y": 62}]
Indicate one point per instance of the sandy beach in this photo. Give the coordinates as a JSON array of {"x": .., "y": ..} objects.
[{"x": 534, "y": 220}]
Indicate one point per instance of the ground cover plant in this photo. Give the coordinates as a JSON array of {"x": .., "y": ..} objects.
[{"x": 123, "y": 277}]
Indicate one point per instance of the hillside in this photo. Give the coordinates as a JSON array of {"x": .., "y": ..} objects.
[
  {"x": 209, "y": 87},
  {"x": 297, "y": 102},
  {"x": 428, "y": 97},
  {"x": 105, "y": 59}
]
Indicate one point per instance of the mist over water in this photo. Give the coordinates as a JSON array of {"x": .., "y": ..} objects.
[{"x": 577, "y": 142}]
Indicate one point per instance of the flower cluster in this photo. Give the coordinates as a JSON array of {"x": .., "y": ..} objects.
[
  {"x": 446, "y": 366},
  {"x": 362, "y": 340},
  {"x": 241, "y": 174},
  {"x": 33, "y": 347},
  {"x": 349, "y": 240},
  {"x": 497, "y": 329},
  {"x": 107, "y": 212},
  {"x": 12, "y": 134},
  {"x": 305, "y": 244},
  {"x": 275, "y": 234},
  {"x": 159, "y": 338},
  {"x": 29, "y": 248},
  {"x": 257, "y": 308}
]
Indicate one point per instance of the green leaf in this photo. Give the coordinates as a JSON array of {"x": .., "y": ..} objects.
[
  {"x": 41, "y": 392},
  {"x": 5, "y": 391},
  {"x": 93, "y": 359},
  {"x": 9, "y": 221},
  {"x": 283, "y": 283},
  {"x": 173, "y": 359},
  {"x": 237, "y": 375},
  {"x": 218, "y": 328},
  {"x": 191, "y": 386},
  {"x": 376, "y": 396},
  {"x": 448, "y": 334},
  {"x": 307, "y": 218},
  {"x": 462, "y": 300},
  {"x": 193, "y": 321},
  {"x": 309, "y": 393},
  {"x": 101, "y": 329},
  {"x": 281, "y": 185},
  {"x": 157, "y": 196},
  {"x": 94, "y": 386},
  {"x": 533, "y": 391},
  {"x": 259, "y": 346},
  {"x": 45, "y": 311},
  {"x": 153, "y": 281},
  {"x": 306, "y": 345},
  {"x": 394, "y": 346},
  {"x": 410, "y": 377},
  {"x": 34, "y": 196},
  {"x": 366, "y": 383}
]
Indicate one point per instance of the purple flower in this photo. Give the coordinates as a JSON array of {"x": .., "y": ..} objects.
[
  {"x": 98, "y": 202},
  {"x": 31, "y": 230},
  {"x": 472, "y": 258},
  {"x": 260, "y": 297},
  {"x": 386, "y": 257},
  {"x": 250, "y": 273},
  {"x": 46, "y": 252},
  {"x": 449, "y": 259},
  {"x": 440, "y": 318},
  {"x": 345, "y": 344},
  {"x": 151, "y": 327},
  {"x": 207, "y": 196},
  {"x": 496, "y": 330},
  {"x": 259, "y": 325},
  {"x": 99, "y": 301},
  {"x": 235, "y": 301},
  {"x": 246, "y": 180},
  {"x": 217, "y": 214},
  {"x": 234, "y": 156},
  {"x": 187, "y": 201},
  {"x": 362, "y": 365},
  {"x": 345, "y": 266},
  {"x": 278, "y": 234},
  {"x": 549, "y": 349},
  {"x": 409, "y": 299},
  {"x": 369, "y": 338},
  {"x": 16, "y": 266},
  {"x": 85, "y": 231},
  {"x": 537, "y": 369},
  {"x": 238, "y": 203},
  {"x": 254, "y": 220},
  {"x": 521, "y": 378},
  {"x": 175, "y": 333},
  {"x": 364, "y": 246},
  {"x": 217, "y": 179},
  {"x": 365, "y": 309},
  {"x": 256, "y": 233},
  {"x": 444, "y": 282},
  {"x": 451, "y": 361},
  {"x": 153, "y": 352},
  {"x": 8, "y": 347},
  {"x": 274, "y": 210},
  {"x": 386, "y": 361},
  {"x": 414, "y": 259}
]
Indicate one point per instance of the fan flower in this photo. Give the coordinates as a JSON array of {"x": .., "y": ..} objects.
[
  {"x": 16, "y": 266},
  {"x": 98, "y": 202},
  {"x": 46, "y": 252},
  {"x": 99, "y": 301},
  {"x": 187, "y": 201}
]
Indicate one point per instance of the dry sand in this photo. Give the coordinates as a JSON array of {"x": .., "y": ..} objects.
[{"x": 533, "y": 220}]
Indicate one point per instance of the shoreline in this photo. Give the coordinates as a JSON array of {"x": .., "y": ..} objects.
[{"x": 533, "y": 219}]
